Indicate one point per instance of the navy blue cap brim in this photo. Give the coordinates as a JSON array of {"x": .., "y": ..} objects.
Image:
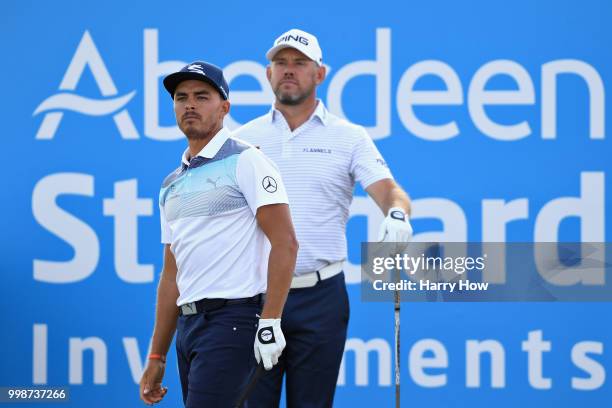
[{"x": 172, "y": 81}]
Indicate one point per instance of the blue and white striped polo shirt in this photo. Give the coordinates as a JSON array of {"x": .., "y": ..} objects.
[
  {"x": 320, "y": 162},
  {"x": 207, "y": 209}
]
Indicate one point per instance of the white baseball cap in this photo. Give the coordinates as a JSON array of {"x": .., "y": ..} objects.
[{"x": 302, "y": 41}]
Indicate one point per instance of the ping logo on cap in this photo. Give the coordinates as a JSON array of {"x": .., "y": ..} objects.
[
  {"x": 287, "y": 38},
  {"x": 302, "y": 41}
]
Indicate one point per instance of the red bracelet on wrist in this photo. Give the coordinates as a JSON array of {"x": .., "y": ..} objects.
[{"x": 160, "y": 357}]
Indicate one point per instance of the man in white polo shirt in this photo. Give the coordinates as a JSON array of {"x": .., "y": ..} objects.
[
  {"x": 320, "y": 157},
  {"x": 217, "y": 209}
]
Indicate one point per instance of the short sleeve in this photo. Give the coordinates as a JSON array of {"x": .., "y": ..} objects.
[
  {"x": 367, "y": 164},
  {"x": 166, "y": 232},
  {"x": 259, "y": 180}
]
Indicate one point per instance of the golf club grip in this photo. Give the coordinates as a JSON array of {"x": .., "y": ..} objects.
[{"x": 259, "y": 370}]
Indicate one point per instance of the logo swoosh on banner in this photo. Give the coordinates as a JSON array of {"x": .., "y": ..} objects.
[{"x": 87, "y": 106}]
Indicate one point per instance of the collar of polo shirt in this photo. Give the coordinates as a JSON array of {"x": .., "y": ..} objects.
[
  {"x": 212, "y": 148},
  {"x": 319, "y": 112}
]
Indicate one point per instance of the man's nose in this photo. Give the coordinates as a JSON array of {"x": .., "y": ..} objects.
[{"x": 189, "y": 105}]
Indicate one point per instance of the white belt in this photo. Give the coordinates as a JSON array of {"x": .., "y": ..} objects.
[{"x": 308, "y": 280}]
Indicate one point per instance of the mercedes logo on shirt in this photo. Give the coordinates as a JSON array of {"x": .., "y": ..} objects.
[{"x": 269, "y": 184}]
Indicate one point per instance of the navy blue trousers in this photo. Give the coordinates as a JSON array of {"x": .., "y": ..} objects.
[
  {"x": 314, "y": 324},
  {"x": 215, "y": 354}
]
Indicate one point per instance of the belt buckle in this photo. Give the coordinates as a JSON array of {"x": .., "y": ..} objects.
[{"x": 189, "y": 309}]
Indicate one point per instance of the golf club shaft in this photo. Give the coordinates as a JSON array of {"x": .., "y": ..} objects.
[
  {"x": 259, "y": 370},
  {"x": 397, "y": 349}
]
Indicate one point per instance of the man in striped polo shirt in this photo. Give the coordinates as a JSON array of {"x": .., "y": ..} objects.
[
  {"x": 320, "y": 157},
  {"x": 217, "y": 209}
]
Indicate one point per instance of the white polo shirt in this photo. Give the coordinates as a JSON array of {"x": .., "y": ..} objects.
[
  {"x": 207, "y": 210},
  {"x": 320, "y": 162}
]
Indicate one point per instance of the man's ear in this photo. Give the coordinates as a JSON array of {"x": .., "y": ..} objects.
[
  {"x": 321, "y": 73},
  {"x": 269, "y": 73}
]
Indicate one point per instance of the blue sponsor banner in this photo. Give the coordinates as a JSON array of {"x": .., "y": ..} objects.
[{"x": 492, "y": 115}]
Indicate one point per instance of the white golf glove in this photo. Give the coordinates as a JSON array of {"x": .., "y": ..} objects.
[
  {"x": 395, "y": 227},
  {"x": 269, "y": 342}
]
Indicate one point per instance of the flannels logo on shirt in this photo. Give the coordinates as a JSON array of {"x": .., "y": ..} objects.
[
  {"x": 316, "y": 150},
  {"x": 269, "y": 184},
  {"x": 382, "y": 162}
]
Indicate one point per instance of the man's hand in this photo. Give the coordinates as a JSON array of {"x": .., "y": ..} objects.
[
  {"x": 269, "y": 342},
  {"x": 395, "y": 227},
  {"x": 151, "y": 390}
]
